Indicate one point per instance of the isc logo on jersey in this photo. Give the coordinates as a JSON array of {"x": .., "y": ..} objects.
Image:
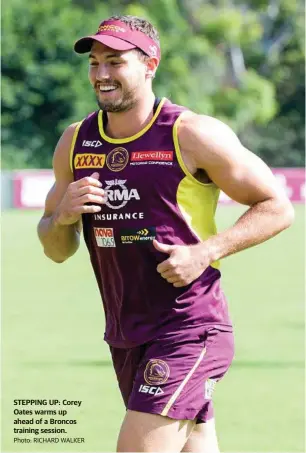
[
  {"x": 104, "y": 237},
  {"x": 151, "y": 390},
  {"x": 91, "y": 144}
]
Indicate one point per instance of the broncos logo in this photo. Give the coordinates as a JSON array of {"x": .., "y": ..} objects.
[
  {"x": 117, "y": 159},
  {"x": 157, "y": 372}
]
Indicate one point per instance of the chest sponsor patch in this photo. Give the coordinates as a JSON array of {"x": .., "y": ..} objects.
[
  {"x": 104, "y": 237},
  {"x": 118, "y": 194},
  {"x": 152, "y": 157},
  {"x": 89, "y": 160},
  {"x": 133, "y": 236}
]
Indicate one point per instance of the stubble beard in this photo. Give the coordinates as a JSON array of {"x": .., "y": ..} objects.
[{"x": 126, "y": 102}]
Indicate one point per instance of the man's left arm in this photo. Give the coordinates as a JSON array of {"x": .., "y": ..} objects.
[{"x": 244, "y": 177}]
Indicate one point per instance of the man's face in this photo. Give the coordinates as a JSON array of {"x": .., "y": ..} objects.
[{"x": 116, "y": 76}]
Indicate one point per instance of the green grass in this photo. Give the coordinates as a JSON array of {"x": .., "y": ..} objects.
[{"x": 52, "y": 342}]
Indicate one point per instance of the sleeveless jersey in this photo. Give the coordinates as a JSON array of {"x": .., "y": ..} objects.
[{"x": 150, "y": 194}]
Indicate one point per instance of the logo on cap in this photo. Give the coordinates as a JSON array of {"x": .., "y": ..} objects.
[
  {"x": 114, "y": 28},
  {"x": 153, "y": 51}
]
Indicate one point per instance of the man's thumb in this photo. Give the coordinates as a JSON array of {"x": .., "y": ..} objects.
[
  {"x": 164, "y": 248},
  {"x": 95, "y": 175}
]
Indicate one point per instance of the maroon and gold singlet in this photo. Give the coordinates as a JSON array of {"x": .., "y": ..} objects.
[{"x": 150, "y": 194}]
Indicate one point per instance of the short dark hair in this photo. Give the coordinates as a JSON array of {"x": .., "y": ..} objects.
[{"x": 137, "y": 23}]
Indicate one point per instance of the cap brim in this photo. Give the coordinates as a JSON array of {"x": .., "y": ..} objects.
[{"x": 83, "y": 45}]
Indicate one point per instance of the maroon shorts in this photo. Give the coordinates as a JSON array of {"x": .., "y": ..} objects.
[{"x": 174, "y": 375}]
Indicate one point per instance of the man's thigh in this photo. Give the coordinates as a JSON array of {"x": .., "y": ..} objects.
[{"x": 145, "y": 432}]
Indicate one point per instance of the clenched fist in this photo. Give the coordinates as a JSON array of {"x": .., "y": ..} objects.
[
  {"x": 73, "y": 205},
  {"x": 184, "y": 264}
]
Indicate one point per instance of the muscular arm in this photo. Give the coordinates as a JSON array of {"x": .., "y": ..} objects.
[
  {"x": 59, "y": 241},
  {"x": 211, "y": 145}
]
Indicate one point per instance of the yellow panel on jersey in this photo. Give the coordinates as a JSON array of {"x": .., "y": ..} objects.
[{"x": 196, "y": 201}]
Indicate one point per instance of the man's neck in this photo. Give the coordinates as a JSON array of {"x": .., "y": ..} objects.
[{"x": 127, "y": 124}]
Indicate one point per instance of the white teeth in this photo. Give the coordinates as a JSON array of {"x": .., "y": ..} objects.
[{"x": 107, "y": 88}]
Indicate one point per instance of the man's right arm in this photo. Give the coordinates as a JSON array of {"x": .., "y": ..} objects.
[{"x": 60, "y": 226}]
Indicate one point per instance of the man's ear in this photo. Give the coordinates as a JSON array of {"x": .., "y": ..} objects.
[{"x": 152, "y": 64}]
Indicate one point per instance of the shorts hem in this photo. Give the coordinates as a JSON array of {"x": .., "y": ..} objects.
[{"x": 175, "y": 413}]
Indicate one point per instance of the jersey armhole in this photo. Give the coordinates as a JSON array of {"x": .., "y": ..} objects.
[
  {"x": 74, "y": 139},
  {"x": 179, "y": 154}
]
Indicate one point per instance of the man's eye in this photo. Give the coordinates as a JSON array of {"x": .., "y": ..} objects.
[
  {"x": 93, "y": 63},
  {"x": 115, "y": 63}
]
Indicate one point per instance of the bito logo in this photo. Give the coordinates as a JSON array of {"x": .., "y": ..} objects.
[{"x": 132, "y": 236}]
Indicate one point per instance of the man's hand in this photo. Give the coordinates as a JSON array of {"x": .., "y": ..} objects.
[
  {"x": 184, "y": 264},
  {"x": 73, "y": 204}
]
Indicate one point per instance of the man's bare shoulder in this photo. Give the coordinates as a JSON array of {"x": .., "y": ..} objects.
[
  {"x": 61, "y": 157},
  {"x": 205, "y": 140},
  {"x": 66, "y": 139},
  {"x": 197, "y": 127}
]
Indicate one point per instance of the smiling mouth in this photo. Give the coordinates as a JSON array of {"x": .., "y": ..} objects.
[{"x": 107, "y": 88}]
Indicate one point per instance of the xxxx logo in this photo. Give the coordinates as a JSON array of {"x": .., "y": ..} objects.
[{"x": 89, "y": 161}]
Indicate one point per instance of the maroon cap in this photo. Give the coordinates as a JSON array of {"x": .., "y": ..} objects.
[{"x": 117, "y": 35}]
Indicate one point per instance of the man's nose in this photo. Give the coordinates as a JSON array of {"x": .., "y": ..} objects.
[{"x": 102, "y": 72}]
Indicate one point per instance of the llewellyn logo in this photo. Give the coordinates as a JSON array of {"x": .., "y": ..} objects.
[
  {"x": 151, "y": 158},
  {"x": 89, "y": 161}
]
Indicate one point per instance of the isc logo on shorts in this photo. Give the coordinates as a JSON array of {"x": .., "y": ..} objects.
[
  {"x": 150, "y": 390},
  {"x": 104, "y": 237}
]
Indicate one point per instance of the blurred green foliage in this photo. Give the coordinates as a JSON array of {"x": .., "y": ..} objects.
[{"x": 241, "y": 61}]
